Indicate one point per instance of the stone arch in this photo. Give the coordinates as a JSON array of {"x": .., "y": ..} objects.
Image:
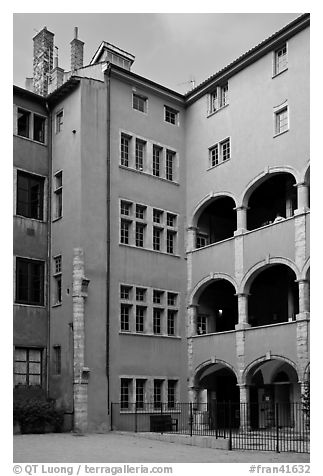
[
  {"x": 263, "y": 359},
  {"x": 204, "y": 202},
  {"x": 260, "y": 178},
  {"x": 253, "y": 272},
  {"x": 203, "y": 283},
  {"x": 204, "y": 365},
  {"x": 304, "y": 176},
  {"x": 305, "y": 269}
]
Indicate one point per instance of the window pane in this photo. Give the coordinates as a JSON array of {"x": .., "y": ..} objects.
[
  {"x": 23, "y": 123},
  {"x": 39, "y": 128}
]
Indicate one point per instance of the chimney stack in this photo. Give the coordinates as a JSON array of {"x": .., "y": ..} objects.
[
  {"x": 42, "y": 61},
  {"x": 57, "y": 75},
  {"x": 76, "y": 51}
]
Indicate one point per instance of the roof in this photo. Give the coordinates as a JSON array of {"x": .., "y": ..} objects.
[
  {"x": 109, "y": 46},
  {"x": 253, "y": 54}
]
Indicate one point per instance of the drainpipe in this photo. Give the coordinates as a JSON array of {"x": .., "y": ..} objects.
[
  {"x": 107, "y": 76},
  {"x": 49, "y": 242}
]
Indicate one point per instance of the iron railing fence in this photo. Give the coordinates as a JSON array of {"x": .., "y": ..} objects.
[{"x": 252, "y": 426}]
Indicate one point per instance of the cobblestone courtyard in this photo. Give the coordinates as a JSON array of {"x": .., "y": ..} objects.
[{"x": 120, "y": 448}]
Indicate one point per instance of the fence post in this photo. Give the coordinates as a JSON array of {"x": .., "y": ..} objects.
[
  {"x": 230, "y": 425},
  {"x": 277, "y": 428},
  {"x": 191, "y": 419},
  {"x": 111, "y": 416}
]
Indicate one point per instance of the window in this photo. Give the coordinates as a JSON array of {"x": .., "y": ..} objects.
[
  {"x": 140, "y": 211},
  {"x": 140, "y": 393},
  {"x": 157, "y": 296},
  {"x": 141, "y": 294},
  {"x": 57, "y": 359},
  {"x": 39, "y": 128},
  {"x": 28, "y": 366},
  {"x": 140, "y": 319},
  {"x": 158, "y": 393},
  {"x": 29, "y": 281},
  {"x": 220, "y": 152},
  {"x": 23, "y": 123},
  {"x": 280, "y": 59},
  {"x": 218, "y": 98},
  {"x": 30, "y": 195},
  {"x": 59, "y": 121},
  {"x": 58, "y": 279},
  {"x": 170, "y": 156},
  {"x": 156, "y": 160},
  {"x": 170, "y": 244},
  {"x": 172, "y": 299},
  {"x": 58, "y": 195},
  {"x": 201, "y": 325},
  {"x": 139, "y": 103},
  {"x": 225, "y": 149},
  {"x": 125, "y": 393},
  {"x": 171, "y": 393},
  {"x": 281, "y": 121},
  {"x": 171, "y": 219},
  {"x": 125, "y": 292},
  {"x": 171, "y": 322},
  {"x": 224, "y": 95},
  {"x": 157, "y": 215},
  {"x": 202, "y": 239},
  {"x": 157, "y": 238},
  {"x": 125, "y": 208},
  {"x": 140, "y": 153},
  {"x": 157, "y": 316},
  {"x": 140, "y": 234},
  {"x": 171, "y": 115},
  {"x": 125, "y": 317},
  {"x": 125, "y": 141},
  {"x": 124, "y": 232}
]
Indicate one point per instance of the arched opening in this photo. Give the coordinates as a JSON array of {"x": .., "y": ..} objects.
[
  {"x": 273, "y": 296},
  {"x": 274, "y": 199},
  {"x": 308, "y": 183},
  {"x": 217, "y": 309},
  {"x": 273, "y": 392},
  {"x": 217, "y": 386},
  {"x": 217, "y": 222}
]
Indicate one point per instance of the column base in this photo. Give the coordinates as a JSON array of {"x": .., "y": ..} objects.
[
  {"x": 242, "y": 325},
  {"x": 240, "y": 231},
  {"x": 302, "y": 316}
]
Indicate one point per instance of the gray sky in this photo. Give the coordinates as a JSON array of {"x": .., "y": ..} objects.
[{"x": 170, "y": 48}]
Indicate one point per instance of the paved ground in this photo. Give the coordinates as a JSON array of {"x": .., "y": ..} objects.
[{"x": 120, "y": 448}]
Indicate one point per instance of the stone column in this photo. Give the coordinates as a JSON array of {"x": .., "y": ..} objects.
[
  {"x": 244, "y": 407},
  {"x": 80, "y": 380},
  {"x": 242, "y": 311},
  {"x": 302, "y": 197},
  {"x": 191, "y": 238},
  {"x": 191, "y": 330},
  {"x": 241, "y": 220},
  {"x": 304, "y": 299}
]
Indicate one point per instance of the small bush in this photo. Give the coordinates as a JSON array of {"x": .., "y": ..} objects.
[{"x": 36, "y": 416}]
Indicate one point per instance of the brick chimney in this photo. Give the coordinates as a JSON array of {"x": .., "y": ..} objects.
[
  {"x": 76, "y": 51},
  {"x": 43, "y": 60},
  {"x": 56, "y": 77}
]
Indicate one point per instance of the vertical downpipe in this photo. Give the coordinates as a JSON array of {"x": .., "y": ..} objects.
[
  {"x": 107, "y": 76},
  {"x": 49, "y": 243}
]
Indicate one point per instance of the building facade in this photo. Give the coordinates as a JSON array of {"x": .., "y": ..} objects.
[{"x": 162, "y": 240}]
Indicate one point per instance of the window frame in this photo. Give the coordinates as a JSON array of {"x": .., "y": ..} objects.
[
  {"x": 277, "y": 121},
  {"x": 216, "y": 153},
  {"x": 58, "y": 195},
  {"x": 277, "y": 69},
  {"x": 171, "y": 115},
  {"x": 143, "y": 100},
  {"x": 57, "y": 275},
  {"x": 28, "y": 373},
  {"x": 59, "y": 121},
  {"x": 125, "y": 149},
  {"x": 29, "y": 204},
  {"x": 41, "y": 278}
]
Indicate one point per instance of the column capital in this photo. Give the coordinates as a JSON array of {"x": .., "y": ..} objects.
[
  {"x": 242, "y": 294},
  {"x": 241, "y": 207},
  {"x": 192, "y": 306},
  {"x": 192, "y": 228}
]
